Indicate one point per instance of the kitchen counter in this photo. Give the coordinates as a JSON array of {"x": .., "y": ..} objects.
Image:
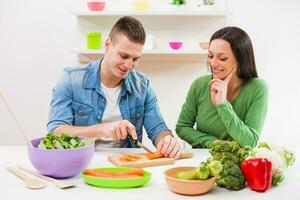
[{"x": 13, "y": 188}]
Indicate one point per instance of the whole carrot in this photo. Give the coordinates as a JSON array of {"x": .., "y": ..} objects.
[{"x": 111, "y": 174}]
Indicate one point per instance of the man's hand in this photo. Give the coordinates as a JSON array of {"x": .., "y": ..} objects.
[
  {"x": 118, "y": 130},
  {"x": 169, "y": 146}
]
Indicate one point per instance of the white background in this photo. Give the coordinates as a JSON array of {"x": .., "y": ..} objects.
[{"x": 37, "y": 39}]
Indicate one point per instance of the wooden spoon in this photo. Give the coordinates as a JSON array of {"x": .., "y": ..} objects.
[
  {"x": 15, "y": 120},
  {"x": 29, "y": 182},
  {"x": 59, "y": 183}
]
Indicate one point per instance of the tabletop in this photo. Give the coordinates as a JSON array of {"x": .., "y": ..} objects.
[{"x": 13, "y": 188}]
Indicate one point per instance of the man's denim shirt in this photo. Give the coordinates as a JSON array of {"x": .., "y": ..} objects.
[{"x": 78, "y": 100}]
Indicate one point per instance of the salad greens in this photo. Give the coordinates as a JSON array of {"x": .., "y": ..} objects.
[{"x": 64, "y": 141}]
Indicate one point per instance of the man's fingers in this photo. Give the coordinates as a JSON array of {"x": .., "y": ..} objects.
[
  {"x": 130, "y": 129},
  {"x": 124, "y": 132},
  {"x": 114, "y": 134},
  {"x": 170, "y": 147},
  {"x": 167, "y": 141},
  {"x": 160, "y": 145},
  {"x": 118, "y": 134},
  {"x": 175, "y": 151}
]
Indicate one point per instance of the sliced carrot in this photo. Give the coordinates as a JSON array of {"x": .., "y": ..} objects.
[
  {"x": 111, "y": 174},
  {"x": 130, "y": 158},
  {"x": 134, "y": 156},
  {"x": 155, "y": 155},
  {"x": 123, "y": 159}
]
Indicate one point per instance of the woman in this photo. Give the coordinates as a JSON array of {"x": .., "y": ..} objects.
[{"x": 232, "y": 103}]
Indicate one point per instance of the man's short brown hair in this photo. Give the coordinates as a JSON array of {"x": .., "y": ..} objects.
[{"x": 130, "y": 27}]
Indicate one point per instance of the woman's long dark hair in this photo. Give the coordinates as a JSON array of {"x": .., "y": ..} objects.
[{"x": 242, "y": 49}]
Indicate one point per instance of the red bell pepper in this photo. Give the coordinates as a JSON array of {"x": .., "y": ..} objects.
[{"x": 258, "y": 173}]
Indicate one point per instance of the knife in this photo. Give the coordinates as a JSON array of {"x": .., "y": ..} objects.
[{"x": 138, "y": 143}]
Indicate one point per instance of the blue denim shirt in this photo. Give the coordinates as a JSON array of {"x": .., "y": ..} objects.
[{"x": 78, "y": 100}]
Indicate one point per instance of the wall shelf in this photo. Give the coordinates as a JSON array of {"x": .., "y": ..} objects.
[
  {"x": 156, "y": 55},
  {"x": 151, "y": 13},
  {"x": 187, "y": 26}
]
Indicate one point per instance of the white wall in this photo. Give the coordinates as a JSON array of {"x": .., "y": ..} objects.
[{"x": 36, "y": 42}]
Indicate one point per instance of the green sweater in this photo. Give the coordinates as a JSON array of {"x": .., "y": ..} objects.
[{"x": 240, "y": 120}]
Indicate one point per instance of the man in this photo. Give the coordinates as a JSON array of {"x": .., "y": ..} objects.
[{"x": 108, "y": 100}]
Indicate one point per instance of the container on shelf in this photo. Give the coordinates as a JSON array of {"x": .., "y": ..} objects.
[
  {"x": 149, "y": 43},
  {"x": 93, "y": 40},
  {"x": 141, "y": 5},
  {"x": 95, "y": 5},
  {"x": 175, "y": 45},
  {"x": 204, "y": 45}
]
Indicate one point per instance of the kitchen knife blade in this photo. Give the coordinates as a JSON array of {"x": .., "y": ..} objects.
[{"x": 138, "y": 143}]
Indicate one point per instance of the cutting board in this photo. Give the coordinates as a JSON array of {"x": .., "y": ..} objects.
[{"x": 144, "y": 161}]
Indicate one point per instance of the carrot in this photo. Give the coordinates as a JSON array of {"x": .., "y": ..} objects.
[
  {"x": 134, "y": 156},
  {"x": 129, "y": 158},
  {"x": 155, "y": 155},
  {"x": 134, "y": 173}
]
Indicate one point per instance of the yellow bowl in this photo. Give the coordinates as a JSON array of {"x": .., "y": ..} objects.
[
  {"x": 141, "y": 6},
  {"x": 187, "y": 187}
]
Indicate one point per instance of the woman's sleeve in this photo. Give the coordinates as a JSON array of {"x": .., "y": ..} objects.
[
  {"x": 185, "y": 124},
  {"x": 246, "y": 132}
]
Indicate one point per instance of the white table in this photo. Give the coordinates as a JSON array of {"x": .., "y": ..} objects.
[{"x": 12, "y": 188}]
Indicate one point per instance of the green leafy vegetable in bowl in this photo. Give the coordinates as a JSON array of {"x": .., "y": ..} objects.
[
  {"x": 64, "y": 141},
  {"x": 204, "y": 171}
]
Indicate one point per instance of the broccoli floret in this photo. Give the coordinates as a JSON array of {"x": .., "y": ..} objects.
[
  {"x": 220, "y": 146},
  {"x": 229, "y": 150},
  {"x": 224, "y": 156},
  {"x": 215, "y": 167},
  {"x": 202, "y": 171},
  {"x": 231, "y": 182},
  {"x": 231, "y": 176}
]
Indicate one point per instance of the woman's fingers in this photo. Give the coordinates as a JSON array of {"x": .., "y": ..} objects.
[
  {"x": 228, "y": 78},
  {"x": 215, "y": 87},
  {"x": 215, "y": 81}
]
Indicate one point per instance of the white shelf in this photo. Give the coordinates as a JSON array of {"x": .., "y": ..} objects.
[
  {"x": 197, "y": 55},
  {"x": 150, "y": 13},
  {"x": 189, "y": 26}
]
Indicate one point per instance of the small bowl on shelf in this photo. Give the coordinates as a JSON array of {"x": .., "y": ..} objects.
[
  {"x": 175, "y": 45},
  {"x": 96, "y": 5},
  {"x": 141, "y": 5},
  {"x": 187, "y": 187},
  {"x": 204, "y": 45}
]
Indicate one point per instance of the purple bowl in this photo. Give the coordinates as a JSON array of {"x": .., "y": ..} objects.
[
  {"x": 60, "y": 163},
  {"x": 175, "y": 45}
]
